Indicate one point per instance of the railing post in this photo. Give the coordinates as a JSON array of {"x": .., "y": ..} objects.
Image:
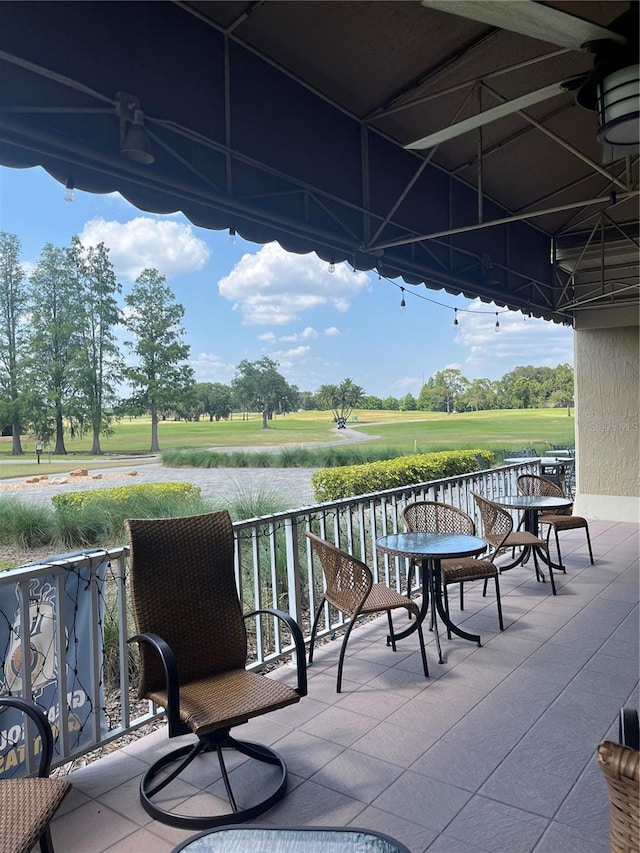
[{"x": 294, "y": 584}]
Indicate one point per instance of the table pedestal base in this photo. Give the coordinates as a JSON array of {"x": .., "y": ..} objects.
[{"x": 432, "y": 589}]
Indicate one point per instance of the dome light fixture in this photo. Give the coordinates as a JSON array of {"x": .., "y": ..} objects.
[
  {"x": 612, "y": 88},
  {"x": 136, "y": 145},
  {"x": 134, "y": 140}
]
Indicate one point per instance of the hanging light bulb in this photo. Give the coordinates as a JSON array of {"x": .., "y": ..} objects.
[
  {"x": 69, "y": 189},
  {"x": 332, "y": 266},
  {"x": 232, "y": 235},
  {"x": 497, "y": 328},
  {"x": 403, "y": 304},
  {"x": 455, "y": 317}
]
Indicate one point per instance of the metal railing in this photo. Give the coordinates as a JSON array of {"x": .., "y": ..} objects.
[{"x": 76, "y": 609}]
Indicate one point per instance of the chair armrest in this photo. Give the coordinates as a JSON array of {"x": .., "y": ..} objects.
[
  {"x": 171, "y": 676},
  {"x": 296, "y": 634},
  {"x": 44, "y": 729}
]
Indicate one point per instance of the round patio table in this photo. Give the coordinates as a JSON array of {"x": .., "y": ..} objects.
[
  {"x": 289, "y": 839},
  {"x": 532, "y": 506},
  {"x": 432, "y": 548}
]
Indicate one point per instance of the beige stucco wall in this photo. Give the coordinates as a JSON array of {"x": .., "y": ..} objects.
[{"x": 607, "y": 415}]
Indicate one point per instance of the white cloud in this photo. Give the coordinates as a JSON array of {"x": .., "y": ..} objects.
[
  {"x": 28, "y": 268},
  {"x": 269, "y": 337},
  {"x": 308, "y": 334},
  {"x": 295, "y": 352},
  {"x": 170, "y": 247},
  {"x": 332, "y": 332},
  {"x": 273, "y": 287},
  {"x": 289, "y": 358},
  {"x": 408, "y": 384},
  {"x": 492, "y": 353},
  {"x": 209, "y": 367}
]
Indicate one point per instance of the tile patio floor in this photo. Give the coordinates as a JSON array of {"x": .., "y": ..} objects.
[{"x": 494, "y": 753}]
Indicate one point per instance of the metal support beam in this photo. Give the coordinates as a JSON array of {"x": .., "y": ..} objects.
[
  {"x": 505, "y": 220},
  {"x": 566, "y": 145}
]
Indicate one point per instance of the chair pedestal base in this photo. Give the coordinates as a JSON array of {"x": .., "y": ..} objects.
[{"x": 153, "y": 781}]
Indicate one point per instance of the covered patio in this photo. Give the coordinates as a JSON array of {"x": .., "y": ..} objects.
[
  {"x": 294, "y": 121},
  {"x": 494, "y": 753}
]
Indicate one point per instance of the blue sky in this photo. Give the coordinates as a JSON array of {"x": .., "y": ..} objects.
[{"x": 243, "y": 300}]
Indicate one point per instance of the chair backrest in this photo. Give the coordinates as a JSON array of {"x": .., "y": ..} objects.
[
  {"x": 532, "y": 484},
  {"x": 347, "y": 579},
  {"x": 183, "y": 589},
  {"x": 497, "y": 523},
  {"x": 620, "y": 766},
  {"x": 432, "y": 516},
  {"x": 45, "y": 752}
]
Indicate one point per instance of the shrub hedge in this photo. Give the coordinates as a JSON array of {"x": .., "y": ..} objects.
[
  {"x": 117, "y": 494},
  {"x": 331, "y": 484}
]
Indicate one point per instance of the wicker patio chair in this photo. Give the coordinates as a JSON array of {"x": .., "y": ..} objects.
[
  {"x": 433, "y": 517},
  {"x": 28, "y": 804},
  {"x": 531, "y": 484},
  {"x": 349, "y": 587},
  {"x": 193, "y": 651},
  {"x": 499, "y": 534},
  {"x": 620, "y": 766}
]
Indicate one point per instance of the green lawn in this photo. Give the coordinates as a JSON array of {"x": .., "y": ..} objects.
[
  {"x": 509, "y": 429},
  {"x": 406, "y": 431}
]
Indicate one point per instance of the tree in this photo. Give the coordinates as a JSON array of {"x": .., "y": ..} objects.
[
  {"x": 479, "y": 395},
  {"x": 563, "y": 392},
  {"x": 101, "y": 363},
  {"x": 55, "y": 345},
  {"x": 526, "y": 387},
  {"x": 259, "y": 387},
  {"x": 14, "y": 300},
  {"x": 214, "y": 399},
  {"x": 307, "y": 401},
  {"x": 289, "y": 401},
  {"x": 161, "y": 378},
  {"x": 371, "y": 402},
  {"x": 441, "y": 390},
  {"x": 408, "y": 403},
  {"x": 341, "y": 399}
]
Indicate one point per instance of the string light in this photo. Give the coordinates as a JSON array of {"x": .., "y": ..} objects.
[
  {"x": 332, "y": 267},
  {"x": 69, "y": 189},
  {"x": 232, "y": 235},
  {"x": 456, "y": 322}
]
